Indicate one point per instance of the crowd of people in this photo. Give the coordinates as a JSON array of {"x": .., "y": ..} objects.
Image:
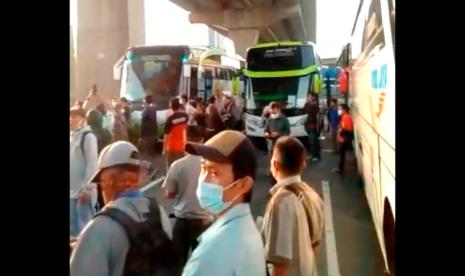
[{"x": 211, "y": 172}]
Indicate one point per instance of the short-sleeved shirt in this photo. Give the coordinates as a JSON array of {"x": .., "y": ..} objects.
[
  {"x": 175, "y": 128},
  {"x": 230, "y": 246},
  {"x": 347, "y": 123},
  {"x": 286, "y": 230},
  {"x": 182, "y": 178},
  {"x": 280, "y": 124}
]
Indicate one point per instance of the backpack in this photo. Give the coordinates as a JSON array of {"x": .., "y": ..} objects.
[
  {"x": 81, "y": 144},
  {"x": 151, "y": 252}
]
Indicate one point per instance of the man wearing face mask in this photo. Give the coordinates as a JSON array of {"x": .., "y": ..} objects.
[
  {"x": 232, "y": 244},
  {"x": 276, "y": 125},
  {"x": 82, "y": 164}
]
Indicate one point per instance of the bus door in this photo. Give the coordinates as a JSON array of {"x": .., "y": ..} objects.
[
  {"x": 193, "y": 87},
  {"x": 208, "y": 83}
]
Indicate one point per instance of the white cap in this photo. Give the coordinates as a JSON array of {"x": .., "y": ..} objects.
[
  {"x": 117, "y": 153},
  {"x": 227, "y": 93}
]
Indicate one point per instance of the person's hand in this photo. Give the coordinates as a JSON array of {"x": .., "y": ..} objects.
[
  {"x": 84, "y": 198},
  {"x": 267, "y": 135}
]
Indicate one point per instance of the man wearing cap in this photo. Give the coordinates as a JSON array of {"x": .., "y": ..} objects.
[
  {"x": 232, "y": 244},
  {"x": 82, "y": 164},
  {"x": 103, "y": 244}
]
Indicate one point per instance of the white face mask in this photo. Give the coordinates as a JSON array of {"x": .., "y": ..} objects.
[
  {"x": 274, "y": 115},
  {"x": 339, "y": 112}
]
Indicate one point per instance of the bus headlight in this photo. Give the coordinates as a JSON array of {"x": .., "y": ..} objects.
[
  {"x": 300, "y": 122},
  {"x": 253, "y": 122}
]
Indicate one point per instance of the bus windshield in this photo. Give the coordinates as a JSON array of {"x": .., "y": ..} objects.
[
  {"x": 156, "y": 72},
  {"x": 291, "y": 91},
  {"x": 280, "y": 58}
]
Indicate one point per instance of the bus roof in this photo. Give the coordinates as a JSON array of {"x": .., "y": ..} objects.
[
  {"x": 282, "y": 43},
  {"x": 149, "y": 48}
]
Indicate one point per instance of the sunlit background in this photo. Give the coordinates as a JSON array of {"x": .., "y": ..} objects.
[{"x": 334, "y": 24}]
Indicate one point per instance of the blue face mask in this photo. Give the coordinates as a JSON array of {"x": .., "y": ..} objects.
[{"x": 210, "y": 196}]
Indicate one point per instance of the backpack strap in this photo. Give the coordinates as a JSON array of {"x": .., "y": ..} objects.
[
  {"x": 154, "y": 213},
  {"x": 83, "y": 138},
  {"x": 297, "y": 192},
  {"x": 131, "y": 227},
  {"x": 127, "y": 222}
]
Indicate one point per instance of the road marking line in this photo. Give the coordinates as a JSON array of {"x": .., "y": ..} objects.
[{"x": 331, "y": 253}]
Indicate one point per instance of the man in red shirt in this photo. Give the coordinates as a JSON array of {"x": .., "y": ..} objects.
[{"x": 175, "y": 133}]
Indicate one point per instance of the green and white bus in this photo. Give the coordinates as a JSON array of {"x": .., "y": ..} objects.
[
  {"x": 170, "y": 71},
  {"x": 280, "y": 71}
]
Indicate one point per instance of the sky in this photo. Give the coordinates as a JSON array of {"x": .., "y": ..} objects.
[
  {"x": 334, "y": 24},
  {"x": 335, "y": 19}
]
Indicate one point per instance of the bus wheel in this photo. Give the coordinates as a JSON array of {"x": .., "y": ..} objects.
[
  {"x": 389, "y": 237},
  {"x": 360, "y": 182}
]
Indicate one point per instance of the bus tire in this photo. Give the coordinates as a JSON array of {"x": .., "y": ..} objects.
[{"x": 389, "y": 237}]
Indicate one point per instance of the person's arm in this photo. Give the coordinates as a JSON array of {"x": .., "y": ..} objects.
[
  {"x": 267, "y": 128},
  {"x": 91, "y": 255},
  {"x": 167, "y": 131},
  {"x": 280, "y": 251},
  {"x": 170, "y": 184},
  {"x": 91, "y": 155},
  {"x": 165, "y": 222}
]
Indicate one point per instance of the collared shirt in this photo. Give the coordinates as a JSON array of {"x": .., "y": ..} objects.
[
  {"x": 286, "y": 230},
  {"x": 230, "y": 246},
  {"x": 284, "y": 182}
]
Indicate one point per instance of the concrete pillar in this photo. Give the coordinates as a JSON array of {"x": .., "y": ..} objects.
[
  {"x": 136, "y": 18},
  {"x": 243, "y": 39},
  {"x": 309, "y": 6},
  {"x": 103, "y": 36}
]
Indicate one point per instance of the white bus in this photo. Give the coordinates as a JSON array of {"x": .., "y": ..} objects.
[
  {"x": 370, "y": 60},
  {"x": 170, "y": 71}
]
